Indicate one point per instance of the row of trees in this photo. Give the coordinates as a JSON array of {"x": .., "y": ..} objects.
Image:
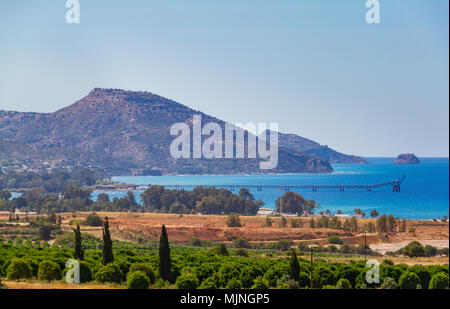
[
  {"x": 156, "y": 198},
  {"x": 50, "y": 182},
  {"x": 388, "y": 224},
  {"x": 384, "y": 224},
  {"x": 293, "y": 203},
  {"x": 200, "y": 200}
]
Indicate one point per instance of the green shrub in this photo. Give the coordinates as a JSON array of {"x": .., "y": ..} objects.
[
  {"x": 146, "y": 268},
  {"x": 439, "y": 281},
  {"x": 234, "y": 284},
  {"x": 282, "y": 245},
  {"x": 350, "y": 273},
  {"x": 430, "y": 250},
  {"x": 345, "y": 248},
  {"x": 76, "y": 222},
  {"x": 304, "y": 280},
  {"x": 49, "y": 271},
  {"x": 333, "y": 239},
  {"x": 19, "y": 269},
  {"x": 85, "y": 272},
  {"x": 195, "y": 241},
  {"x": 286, "y": 282},
  {"x": 221, "y": 249},
  {"x": 233, "y": 220},
  {"x": 332, "y": 248},
  {"x": 303, "y": 247},
  {"x": 323, "y": 275},
  {"x": 414, "y": 249},
  {"x": 227, "y": 272},
  {"x": 328, "y": 287},
  {"x": 248, "y": 274},
  {"x": 137, "y": 280},
  {"x": 93, "y": 220},
  {"x": 109, "y": 273},
  {"x": 343, "y": 284},
  {"x": 123, "y": 264},
  {"x": 162, "y": 284},
  {"x": 274, "y": 273},
  {"x": 389, "y": 284},
  {"x": 260, "y": 284},
  {"x": 283, "y": 286},
  {"x": 241, "y": 243},
  {"x": 187, "y": 281},
  {"x": 45, "y": 230},
  {"x": 443, "y": 251},
  {"x": 423, "y": 274},
  {"x": 394, "y": 271},
  {"x": 242, "y": 252},
  {"x": 204, "y": 271},
  {"x": 208, "y": 284},
  {"x": 409, "y": 280}
]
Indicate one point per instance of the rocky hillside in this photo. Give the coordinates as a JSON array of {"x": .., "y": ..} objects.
[
  {"x": 123, "y": 132},
  {"x": 302, "y": 144}
]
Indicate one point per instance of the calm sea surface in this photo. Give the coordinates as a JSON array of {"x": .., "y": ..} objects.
[{"x": 424, "y": 195}]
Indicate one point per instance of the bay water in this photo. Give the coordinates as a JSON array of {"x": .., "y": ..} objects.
[{"x": 424, "y": 192}]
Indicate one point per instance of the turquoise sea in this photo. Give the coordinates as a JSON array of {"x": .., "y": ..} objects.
[{"x": 424, "y": 194}]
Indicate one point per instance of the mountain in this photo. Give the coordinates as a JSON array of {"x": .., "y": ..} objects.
[
  {"x": 122, "y": 133},
  {"x": 302, "y": 144}
]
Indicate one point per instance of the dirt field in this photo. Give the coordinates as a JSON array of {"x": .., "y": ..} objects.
[
  {"x": 130, "y": 226},
  {"x": 147, "y": 226},
  {"x": 206, "y": 227}
]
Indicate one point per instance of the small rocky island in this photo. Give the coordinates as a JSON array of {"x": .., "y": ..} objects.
[{"x": 407, "y": 158}]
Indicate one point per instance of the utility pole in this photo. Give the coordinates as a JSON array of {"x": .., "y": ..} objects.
[
  {"x": 365, "y": 246},
  {"x": 281, "y": 202},
  {"x": 311, "y": 268}
]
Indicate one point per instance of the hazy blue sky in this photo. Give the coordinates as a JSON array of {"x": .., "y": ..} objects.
[{"x": 315, "y": 67}]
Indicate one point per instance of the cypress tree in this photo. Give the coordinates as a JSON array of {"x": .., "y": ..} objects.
[
  {"x": 382, "y": 224},
  {"x": 79, "y": 250},
  {"x": 283, "y": 222},
  {"x": 402, "y": 228},
  {"x": 165, "y": 263},
  {"x": 391, "y": 224},
  {"x": 294, "y": 266},
  {"x": 268, "y": 222},
  {"x": 222, "y": 250},
  {"x": 107, "y": 250}
]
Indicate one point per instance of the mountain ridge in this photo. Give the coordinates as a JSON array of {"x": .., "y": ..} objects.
[{"x": 124, "y": 132}]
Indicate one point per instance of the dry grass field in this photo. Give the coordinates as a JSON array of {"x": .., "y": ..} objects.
[
  {"x": 181, "y": 228},
  {"x": 129, "y": 226}
]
